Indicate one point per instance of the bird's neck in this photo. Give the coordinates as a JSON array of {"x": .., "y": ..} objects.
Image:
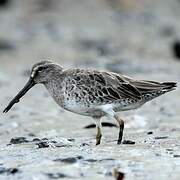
[{"x": 54, "y": 84}]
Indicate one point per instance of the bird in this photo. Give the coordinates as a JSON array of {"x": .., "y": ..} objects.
[{"x": 93, "y": 93}]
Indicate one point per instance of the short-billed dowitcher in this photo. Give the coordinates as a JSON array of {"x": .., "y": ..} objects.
[{"x": 93, "y": 93}]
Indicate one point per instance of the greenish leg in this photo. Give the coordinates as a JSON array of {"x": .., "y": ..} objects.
[
  {"x": 98, "y": 136},
  {"x": 98, "y": 131}
]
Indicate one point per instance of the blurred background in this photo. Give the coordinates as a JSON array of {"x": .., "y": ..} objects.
[
  {"x": 97, "y": 33},
  {"x": 139, "y": 38}
]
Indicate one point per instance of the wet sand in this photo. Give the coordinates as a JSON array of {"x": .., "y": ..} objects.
[{"x": 38, "y": 139}]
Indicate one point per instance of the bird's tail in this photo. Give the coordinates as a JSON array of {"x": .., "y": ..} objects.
[
  {"x": 164, "y": 88},
  {"x": 168, "y": 86},
  {"x": 153, "y": 89}
]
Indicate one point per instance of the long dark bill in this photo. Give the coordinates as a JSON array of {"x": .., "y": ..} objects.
[{"x": 16, "y": 99}]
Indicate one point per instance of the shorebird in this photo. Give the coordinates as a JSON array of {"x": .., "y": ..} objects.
[{"x": 93, "y": 93}]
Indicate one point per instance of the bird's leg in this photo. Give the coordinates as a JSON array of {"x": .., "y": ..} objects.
[
  {"x": 98, "y": 131},
  {"x": 98, "y": 136},
  {"x": 121, "y": 128}
]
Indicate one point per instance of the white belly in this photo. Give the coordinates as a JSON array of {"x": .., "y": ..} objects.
[{"x": 98, "y": 110}]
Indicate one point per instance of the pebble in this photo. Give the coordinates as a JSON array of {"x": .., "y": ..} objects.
[
  {"x": 161, "y": 137},
  {"x": 176, "y": 155},
  {"x": 118, "y": 174},
  {"x": 91, "y": 160},
  {"x": 128, "y": 142},
  {"x": 71, "y": 139},
  {"x": 104, "y": 124},
  {"x": 56, "y": 175},
  {"x": 31, "y": 134},
  {"x": 36, "y": 139},
  {"x": 8, "y": 170},
  {"x": 150, "y": 132},
  {"x": 70, "y": 160},
  {"x": 85, "y": 144},
  {"x": 169, "y": 149},
  {"x": 42, "y": 144},
  {"x": 18, "y": 140},
  {"x": 90, "y": 126}
]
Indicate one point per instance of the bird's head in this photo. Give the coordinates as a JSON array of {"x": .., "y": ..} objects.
[{"x": 40, "y": 73}]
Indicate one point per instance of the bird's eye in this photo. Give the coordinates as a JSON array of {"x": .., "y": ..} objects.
[{"x": 40, "y": 68}]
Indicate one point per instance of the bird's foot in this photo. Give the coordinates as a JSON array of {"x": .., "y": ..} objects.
[{"x": 119, "y": 141}]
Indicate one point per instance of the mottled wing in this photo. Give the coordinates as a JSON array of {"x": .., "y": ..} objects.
[
  {"x": 120, "y": 88},
  {"x": 103, "y": 87}
]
